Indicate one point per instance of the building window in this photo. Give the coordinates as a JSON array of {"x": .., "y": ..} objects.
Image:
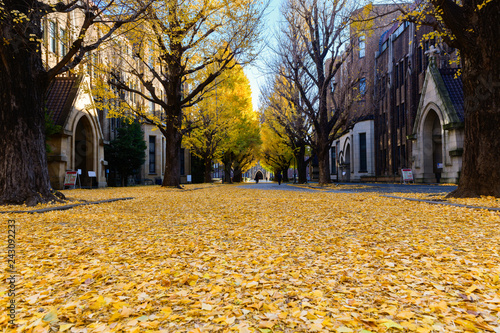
[
  {"x": 183, "y": 162},
  {"x": 362, "y": 86},
  {"x": 63, "y": 37},
  {"x": 362, "y": 47},
  {"x": 419, "y": 60},
  {"x": 52, "y": 37},
  {"x": 333, "y": 161},
  {"x": 152, "y": 154},
  {"x": 403, "y": 114},
  {"x": 396, "y": 76},
  {"x": 362, "y": 153},
  {"x": 403, "y": 156},
  {"x": 152, "y": 106},
  {"x": 401, "y": 74},
  {"x": 396, "y": 116}
]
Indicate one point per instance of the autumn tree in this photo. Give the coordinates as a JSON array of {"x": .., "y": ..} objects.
[
  {"x": 241, "y": 147},
  {"x": 284, "y": 114},
  {"x": 309, "y": 50},
  {"x": 178, "y": 52},
  {"x": 24, "y": 80},
  {"x": 472, "y": 27},
  {"x": 276, "y": 154},
  {"x": 216, "y": 116}
]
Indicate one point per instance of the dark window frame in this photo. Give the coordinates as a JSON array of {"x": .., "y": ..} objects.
[
  {"x": 363, "y": 158},
  {"x": 152, "y": 154}
]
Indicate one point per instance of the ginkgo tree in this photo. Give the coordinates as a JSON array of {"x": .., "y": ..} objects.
[
  {"x": 175, "y": 57},
  {"x": 284, "y": 114},
  {"x": 242, "y": 145},
  {"x": 472, "y": 26},
  {"x": 276, "y": 154},
  {"x": 309, "y": 50},
  {"x": 216, "y": 117},
  {"x": 25, "y": 78}
]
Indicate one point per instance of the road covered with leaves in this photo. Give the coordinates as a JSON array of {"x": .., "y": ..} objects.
[{"x": 222, "y": 258}]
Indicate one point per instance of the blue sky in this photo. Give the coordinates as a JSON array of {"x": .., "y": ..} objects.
[{"x": 253, "y": 72}]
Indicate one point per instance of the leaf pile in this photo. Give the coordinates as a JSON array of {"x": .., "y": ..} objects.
[{"x": 225, "y": 259}]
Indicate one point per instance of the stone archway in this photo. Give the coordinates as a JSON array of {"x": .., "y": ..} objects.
[
  {"x": 259, "y": 175},
  {"x": 84, "y": 150},
  {"x": 432, "y": 146},
  {"x": 346, "y": 171}
]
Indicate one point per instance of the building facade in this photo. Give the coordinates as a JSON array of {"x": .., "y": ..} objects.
[
  {"x": 83, "y": 128},
  {"x": 400, "y": 66},
  {"x": 416, "y": 109}
]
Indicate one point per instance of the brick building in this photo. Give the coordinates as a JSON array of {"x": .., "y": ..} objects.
[
  {"x": 403, "y": 113},
  {"x": 352, "y": 153},
  {"x": 400, "y": 67}
]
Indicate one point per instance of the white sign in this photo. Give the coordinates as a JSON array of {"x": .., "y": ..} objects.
[
  {"x": 79, "y": 171},
  {"x": 91, "y": 173},
  {"x": 407, "y": 175},
  {"x": 189, "y": 178},
  {"x": 440, "y": 165}
]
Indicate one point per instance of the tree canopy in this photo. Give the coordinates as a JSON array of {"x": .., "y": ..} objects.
[
  {"x": 175, "y": 57},
  {"x": 215, "y": 119}
]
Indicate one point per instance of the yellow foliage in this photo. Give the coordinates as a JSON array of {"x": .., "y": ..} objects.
[{"x": 225, "y": 258}]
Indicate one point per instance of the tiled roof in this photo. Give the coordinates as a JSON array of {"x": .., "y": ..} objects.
[
  {"x": 61, "y": 93},
  {"x": 455, "y": 89}
]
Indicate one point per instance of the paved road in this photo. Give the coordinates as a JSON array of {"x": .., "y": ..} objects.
[{"x": 380, "y": 188}]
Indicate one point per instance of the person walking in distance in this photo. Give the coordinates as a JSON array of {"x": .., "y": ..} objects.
[{"x": 279, "y": 177}]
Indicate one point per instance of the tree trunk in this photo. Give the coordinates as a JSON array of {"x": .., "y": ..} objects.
[
  {"x": 300, "y": 156},
  {"x": 323, "y": 162},
  {"x": 24, "y": 175},
  {"x": 285, "y": 175},
  {"x": 480, "y": 163},
  {"x": 173, "y": 140},
  {"x": 207, "y": 172},
  {"x": 227, "y": 173},
  {"x": 237, "y": 175}
]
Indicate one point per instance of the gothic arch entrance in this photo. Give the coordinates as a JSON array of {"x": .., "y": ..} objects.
[
  {"x": 84, "y": 150},
  {"x": 346, "y": 172},
  {"x": 432, "y": 146},
  {"x": 259, "y": 175}
]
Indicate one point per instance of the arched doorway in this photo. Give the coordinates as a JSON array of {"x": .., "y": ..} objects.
[
  {"x": 84, "y": 150},
  {"x": 432, "y": 147},
  {"x": 346, "y": 172},
  {"x": 259, "y": 175}
]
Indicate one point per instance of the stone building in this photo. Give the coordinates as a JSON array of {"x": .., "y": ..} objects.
[
  {"x": 401, "y": 66},
  {"x": 352, "y": 153},
  {"x": 438, "y": 130},
  {"x": 84, "y": 128},
  {"x": 415, "y": 111},
  {"x": 79, "y": 143}
]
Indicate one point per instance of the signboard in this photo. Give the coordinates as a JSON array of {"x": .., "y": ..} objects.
[
  {"x": 79, "y": 171},
  {"x": 407, "y": 175},
  {"x": 189, "y": 178},
  {"x": 91, "y": 173},
  {"x": 70, "y": 178},
  {"x": 440, "y": 165}
]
